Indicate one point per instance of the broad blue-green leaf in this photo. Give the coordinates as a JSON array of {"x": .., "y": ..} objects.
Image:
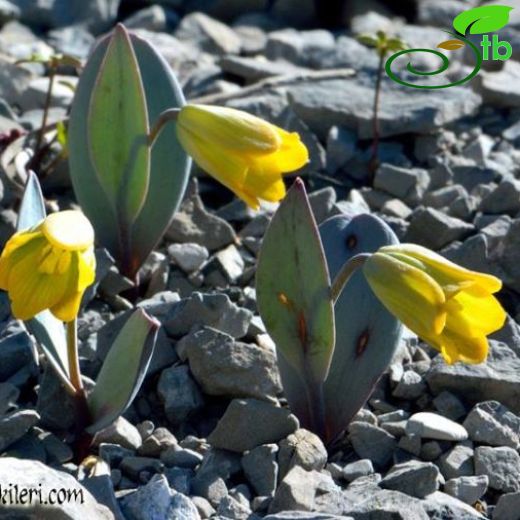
[
  {"x": 118, "y": 128},
  {"x": 484, "y": 19},
  {"x": 47, "y": 330},
  {"x": 169, "y": 163},
  {"x": 293, "y": 288},
  {"x": 123, "y": 370},
  {"x": 367, "y": 335}
]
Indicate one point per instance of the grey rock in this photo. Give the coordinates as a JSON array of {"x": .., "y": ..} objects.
[
  {"x": 306, "y": 48},
  {"x": 441, "y": 505},
  {"x": 467, "y": 489},
  {"x": 360, "y": 468},
  {"x": 248, "y": 423},
  {"x": 17, "y": 352},
  {"x": 157, "y": 442},
  {"x": 181, "y": 457},
  {"x": 205, "y": 509},
  {"x": 231, "y": 508},
  {"x": 341, "y": 146},
  {"x": 492, "y": 423},
  {"x": 501, "y": 88},
  {"x": 411, "y": 386},
  {"x": 458, "y": 462},
  {"x": 210, "y": 310},
  {"x": 372, "y": 442},
  {"x": 14, "y": 80},
  {"x": 501, "y": 465},
  {"x": 211, "y": 487},
  {"x": 449, "y": 405},
  {"x": 157, "y": 500},
  {"x": 189, "y": 257},
  {"x": 504, "y": 199},
  {"x": 74, "y": 40},
  {"x": 301, "y": 515},
  {"x": 192, "y": 223},
  {"x": 256, "y": 68},
  {"x": 229, "y": 262},
  {"x": 430, "y": 425},
  {"x": 406, "y": 184},
  {"x": 261, "y": 469},
  {"x": 389, "y": 504},
  {"x": 304, "y": 449},
  {"x": 439, "y": 13},
  {"x": 97, "y": 15},
  {"x": 222, "y": 463},
  {"x": 8, "y": 396},
  {"x": 498, "y": 379},
  {"x": 344, "y": 102},
  {"x": 434, "y": 229},
  {"x": 507, "y": 507},
  {"x": 445, "y": 196},
  {"x": 24, "y": 474},
  {"x": 179, "y": 479},
  {"x": 210, "y": 35},
  {"x": 153, "y": 18},
  {"x": 396, "y": 208},
  {"x": 414, "y": 478},
  {"x": 133, "y": 466},
  {"x": 36, "y": 92},
  {"x": 14, "y": 425},
  {"x": 479, "y": 149},
  {"x": 121, "y": 432},
  {"x": 223, "y": 366},
  {"x": 180, "y": 393},
  {"x": 298, "y": 490}
]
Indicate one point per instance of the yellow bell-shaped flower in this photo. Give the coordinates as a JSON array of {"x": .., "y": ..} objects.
[
  {"x": 245, "y": 153},
  {"x": 450, "y": 307},
  {"x": 49, "y": 266}
]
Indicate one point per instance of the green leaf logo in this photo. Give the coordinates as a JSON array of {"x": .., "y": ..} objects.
[{"x": 485, "y": 19}]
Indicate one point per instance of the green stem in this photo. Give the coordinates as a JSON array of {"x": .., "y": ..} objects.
[
  {"x": 41, "y": 133},
  {"x": 344, "y": 274},
  {"x": 73, "y": 356},
  {"x": 374, "y": 162},
  {"x": 168, "y": 115}
]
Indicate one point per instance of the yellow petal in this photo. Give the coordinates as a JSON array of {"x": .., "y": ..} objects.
[
  {"x": 15, "y": 243},
  {"x": 31, "y": 291},
  {"x": 69, "y": 230},
  {"x": 67, "y": 308},
  {"x": 408, "y": 293},
  {"x": 86, "y": 262},
  {"x": 233, "y": 130},
  {"x": 474, "y": 312},
  {"x": 455, "y": 347},
  {"x": 227, "y": 169},
  {"x": 444, "y": 271}
]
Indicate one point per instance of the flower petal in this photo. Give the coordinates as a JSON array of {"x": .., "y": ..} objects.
[
  {"x": 69, "y": 230},
  {"x": 444, "y": 271},
  {"x": 455, "y": 347},
  {"x": 408, "y": 293},
  {"x": 31, "y": 291},
  {"x": 233, "y": 130},
  {"x": 474, "y": 312}
]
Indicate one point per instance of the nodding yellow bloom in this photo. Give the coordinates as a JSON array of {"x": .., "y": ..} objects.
[
  {"x": 245, "y": 153},
  {"x": 451, "y": 308},
  {"x": 49, "y": 266}
]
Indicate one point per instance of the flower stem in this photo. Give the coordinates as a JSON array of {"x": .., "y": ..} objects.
[
  {"x": 344, "y": 274},
  {"x": 46, "y": 108},
  {"x": 374, "y": 160},
  {"x": 170, "y": 114},
  {"x": 73, "y": 357}
]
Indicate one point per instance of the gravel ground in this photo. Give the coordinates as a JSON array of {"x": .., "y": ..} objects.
[{"x": 209, "y": 435}]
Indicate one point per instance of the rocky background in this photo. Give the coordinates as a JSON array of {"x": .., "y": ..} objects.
[{"x": 206, "y": 437}]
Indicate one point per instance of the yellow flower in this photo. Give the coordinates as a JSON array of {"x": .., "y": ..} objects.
[
  {"x": 243, "y": 152},
  {"x": 451, "y": 308},
  {"x": 49, "y": 266}
]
